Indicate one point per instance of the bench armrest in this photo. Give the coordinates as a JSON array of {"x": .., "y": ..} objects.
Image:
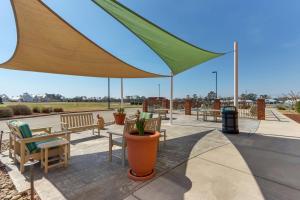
[
  {"x": 64, "y": 134},
  {"x": 44, "y": 129},
  {"x": 114, "y": 133}
]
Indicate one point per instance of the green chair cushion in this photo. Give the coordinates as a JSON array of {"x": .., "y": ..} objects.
[
  {"x": 146, "y": 115},
  {"x": 26, "y": 133}
]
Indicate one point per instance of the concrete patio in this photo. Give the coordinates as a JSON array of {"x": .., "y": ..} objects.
[{"x": 198, "y": 162}]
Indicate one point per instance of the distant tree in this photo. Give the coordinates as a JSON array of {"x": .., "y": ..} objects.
[
  {"x": 250, "y": 96},
  {"x": 1, "y": 101},
  {"x": 211, "y": 95},
  {"x": 243, "y": 96},
  {"x": 265, "y": 96},
  {"x": 294, "y": 95},
  {"x": 200, "y": 98},
  {"x": 195, "y": 96}
]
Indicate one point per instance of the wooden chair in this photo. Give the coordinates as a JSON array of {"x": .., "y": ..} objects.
[
  {"x": 150, "y": 125},
  {"x": 163, "y": 132},
  {"x": 18, "y": 145},
  {"x": 79, "y": 122},
  {"x": 120, "y": 141}
]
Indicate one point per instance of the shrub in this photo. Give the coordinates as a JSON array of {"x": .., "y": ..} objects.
[
  {"x": 47, "y": 110},
  {"x": 36, "y": 109},
  {"x": 58, "y": 110},
  {"x": 298, "y": 106},
  {"x": 6, "y": 112},
  {"x": 281, "y": 107},
  {"x": 20, "y": 109}
]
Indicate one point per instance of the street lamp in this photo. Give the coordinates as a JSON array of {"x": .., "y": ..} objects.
[
  {"x": 108, "y": 93},
  {"x": 215, "y": 72},
  {"x": 158, "y": 91}
]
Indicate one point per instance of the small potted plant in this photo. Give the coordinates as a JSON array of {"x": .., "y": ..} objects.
[
  {"x": 142, "y": 151},
  {"x": 120, "y": 116}
]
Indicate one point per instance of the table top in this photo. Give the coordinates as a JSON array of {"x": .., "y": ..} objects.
[{"x": 53, "y": 143}]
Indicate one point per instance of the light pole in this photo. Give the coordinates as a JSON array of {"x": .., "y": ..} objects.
[
  {"x": 158, "y": 91},
  {"x": 108, "y": 93},
  {"x": 215, "y": 72}
]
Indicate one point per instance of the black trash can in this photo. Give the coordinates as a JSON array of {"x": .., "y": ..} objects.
[{"x": 230, "y": 120}]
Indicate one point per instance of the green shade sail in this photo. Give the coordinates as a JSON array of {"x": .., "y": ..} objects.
[{"x": 176, "y": 53}]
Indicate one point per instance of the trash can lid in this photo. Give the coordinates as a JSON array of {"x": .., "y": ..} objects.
[{"x": 229, "y": 109}]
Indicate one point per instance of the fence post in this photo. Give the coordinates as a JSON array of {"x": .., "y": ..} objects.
[
  {"x": 217, "y": 104},
  {"x": 145, "y": 105},
  {"x": 188, "y": 107},
  {"x": 166, "y": 103},
  {"x": 261, "y": 106}
]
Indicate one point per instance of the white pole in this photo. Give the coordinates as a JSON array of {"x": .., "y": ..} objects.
[
  {"x": 122, "y": 93},
  {"x": 171, "y": 101},
  {"x": 236, "y": 75}
]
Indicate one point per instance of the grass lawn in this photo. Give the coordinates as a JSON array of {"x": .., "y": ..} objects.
[{"x": 73, "y": 106}]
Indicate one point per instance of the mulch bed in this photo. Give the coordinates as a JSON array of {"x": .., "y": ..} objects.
[
  {"x": 7, "y": 188},
  {"x": 295, "y": 117}
]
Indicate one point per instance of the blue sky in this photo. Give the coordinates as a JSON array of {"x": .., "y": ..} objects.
[{"x": 268, "y": 33}]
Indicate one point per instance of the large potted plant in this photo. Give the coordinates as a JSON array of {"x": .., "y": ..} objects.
[
  {"x": 142, "y": 152},
  {"x": 120, "y": 116}
]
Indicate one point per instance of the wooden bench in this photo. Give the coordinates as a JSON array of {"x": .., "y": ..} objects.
[{"x": 79, "y": 122}]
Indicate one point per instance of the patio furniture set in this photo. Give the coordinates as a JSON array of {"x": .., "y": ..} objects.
[{"x": 52, "y": 149}]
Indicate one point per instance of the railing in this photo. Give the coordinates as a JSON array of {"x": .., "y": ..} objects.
[
  {"x": 245, "y": 110},
  {"x": 250, "y": 113}
]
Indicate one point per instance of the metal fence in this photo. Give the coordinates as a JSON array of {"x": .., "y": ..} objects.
[
  {"x": 250, "y": 113},
  {"x": 245, "y": 109}
]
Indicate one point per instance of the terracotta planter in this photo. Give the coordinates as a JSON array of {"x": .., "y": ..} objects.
[
  {"x": 142, "y": 152},
  {"x": 119, "y": 118}
]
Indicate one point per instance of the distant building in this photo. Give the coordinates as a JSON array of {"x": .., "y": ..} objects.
[
  {"x": 16, "y": 98},
  {"x": 25, "y": 97}
]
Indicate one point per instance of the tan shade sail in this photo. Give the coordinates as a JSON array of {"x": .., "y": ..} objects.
[{"x": 46, "y": 43}]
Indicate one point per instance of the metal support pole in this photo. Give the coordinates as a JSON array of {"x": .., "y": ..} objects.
[
  {"x": 236, "y": 75},
  {"x": 159, "y": 91},
  {"x": 108, "y": 93},
  {"x": 216, "y": 85},
  {"x": 122, "y": 100},
  {"x": 215, "y": 72},
  {"x": 171, "y": 101},
  {"x": 1, "y": 134}
]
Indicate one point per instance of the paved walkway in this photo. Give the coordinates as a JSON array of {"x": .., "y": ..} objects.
[
  {"x": 198, "y": 162},
  {"x": 264, "y": 165}
]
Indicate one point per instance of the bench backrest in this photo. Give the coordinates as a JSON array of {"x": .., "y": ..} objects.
[
  {"x": 152, "y": 124},
  {"x": 77, "y": 120}
]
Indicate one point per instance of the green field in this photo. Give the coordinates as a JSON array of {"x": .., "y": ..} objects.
[{"x": 73, "y": 106}]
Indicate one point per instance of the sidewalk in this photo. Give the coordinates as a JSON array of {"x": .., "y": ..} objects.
[{"x": 264, "y": 165}]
